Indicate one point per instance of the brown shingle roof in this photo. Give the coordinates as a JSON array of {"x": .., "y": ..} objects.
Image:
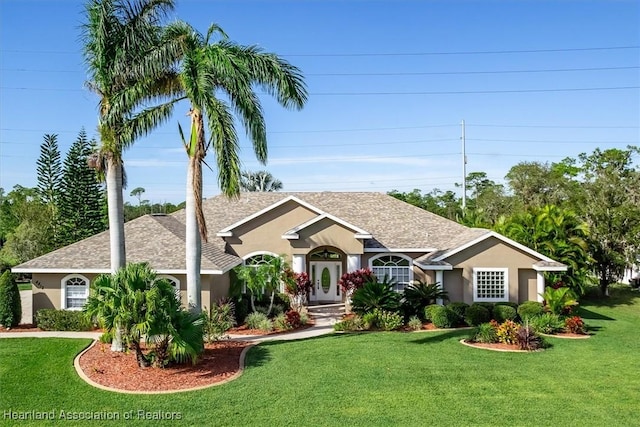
[{"x": 160, "y": 240}]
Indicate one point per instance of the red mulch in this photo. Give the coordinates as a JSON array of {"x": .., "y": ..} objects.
[
  {"x": 495, "y": 346},
  {"x": 243, "y": 330},
  {"x": 21, "y": 328},
  {"x": 219, "y": 362}
]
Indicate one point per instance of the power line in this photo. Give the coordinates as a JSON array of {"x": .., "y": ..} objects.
[
  {"x": 551, "y": 141},
  {"x": 358, "y": 54}
]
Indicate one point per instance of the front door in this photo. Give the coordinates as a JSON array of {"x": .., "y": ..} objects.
[{"x": 325, "y": 276}]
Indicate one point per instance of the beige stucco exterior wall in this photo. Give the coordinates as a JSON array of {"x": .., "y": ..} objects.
[
  {"x": 47, "y": 289},
  {"x": 264, "y": 233},
  {"x": 326, "y": 233},
  {"x": 453, "y": 284},
  {"x": 527, "y": 278},
  {"x": 491, "y": 253}
]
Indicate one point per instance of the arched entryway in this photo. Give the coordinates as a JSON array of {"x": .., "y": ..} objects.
[{"x": 326, "y": 265}]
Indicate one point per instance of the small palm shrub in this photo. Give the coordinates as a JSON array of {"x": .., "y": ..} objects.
[
  {"x": 529, "y": 309},
  {"x": 485, "y": 333},
  {"x": 443, "y": 318},
  {"x": 574, "y": 325},
  {"x": 10, "y": 304},
  {"x": 414, "y": 323},
  {"x": 547, "y": 323},
  {"x": 559, "y": 301},
  {"x": 218, "y": 320},
  {"x": 253, "y": 320},
  {"x": 504, "y": 312},
  {"x": 476, "y": 315},
  {"x": 428, "y": 310},
  {"x": 528, "y": 339},
  {"x": 419, "y": 295},
  {"x": 375, "y": 294},
  {"x": 507, "y": 332},
  {"x": 459, "y": 309},
  {"x": 388, "y": 320}
]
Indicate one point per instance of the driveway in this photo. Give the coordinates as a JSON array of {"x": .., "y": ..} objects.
[{"x": 26, "y": 298}]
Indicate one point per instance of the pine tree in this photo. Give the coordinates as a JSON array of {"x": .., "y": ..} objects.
[
  {"x": 81, "y": 207},
  {"x": 49, "y": 171},
  {"x": 10, "y": 304}
]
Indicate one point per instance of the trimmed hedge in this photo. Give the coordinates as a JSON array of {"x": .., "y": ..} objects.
[
  {"x": 62, "y": 320},
  {"x": 488, "y": 305},
  {"x": 504, "y": 312},
  {"x": 428, "y": 311},
  {"x": 10, "y": 304},
  {"x": 442, "y": 317},
  {"x": 509, "y": 303},
  {"x": 529, "y": 309},
  {"x": 477, "y": 314},
  {"x": 459, "y": 309}
]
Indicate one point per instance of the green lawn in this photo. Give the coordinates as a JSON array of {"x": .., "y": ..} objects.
[
  {"x": 371, "y": 379},
  {"x": 24, "y": 286}
]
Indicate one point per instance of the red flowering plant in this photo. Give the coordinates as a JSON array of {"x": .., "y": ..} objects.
[
  {"x": 298, "y": 286},
  {"x": 575, "y": 325},
  {"x": 349, "y": 282}
]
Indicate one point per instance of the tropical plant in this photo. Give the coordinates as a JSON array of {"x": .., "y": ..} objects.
[
  {"x": 10, "y": 304},
  {"x": 476, "y": 315},
  {"x": 375, "y": 294},
  {"x": 255, "y": 319},
  {"x": 353, "y": 323},
  {"x": 218, "y": 320},
  {"x": 260, "y": 181},
  {"x": 125, "y": 57},
  {"x": 418, "y": 295},
  {"x": 458, "y": 309},
  {"x": 528, "y": 339},
  {"x": 207, "y": 69},
  {"x": 529, "y": 309},
  {"x": 387, "y": 320},
  {"x": 298, "y": 286},
  {"x": 280, "y": 322},
  {"x": 350, "y": 282},
  {"x": 575, "y": 325},
  {"x": 484, "y": 333},
  {"x": 507, "y": 332},
  {"x": 294, "y": 319},
  {"x": 547, "y": 323},
  {"x": 135, "y": 304},
  {"x": 560, "y": 300},
  {"x": 264, "y": 278}
]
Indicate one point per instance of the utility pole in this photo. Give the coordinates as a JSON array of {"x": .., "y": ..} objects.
[{"x": 464, "y": 170}]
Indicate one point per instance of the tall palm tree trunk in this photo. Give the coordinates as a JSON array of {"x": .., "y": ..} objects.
[
  {"x": 116, "y": 213},
  {"x": 193, "y": 241}
]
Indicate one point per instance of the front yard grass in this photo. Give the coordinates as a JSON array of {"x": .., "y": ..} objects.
[{"x": 370, "y": 379}]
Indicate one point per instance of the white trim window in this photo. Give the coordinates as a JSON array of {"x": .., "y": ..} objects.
[
  {"x": 393, "y": 267},
  {"x": 74, "y": 292},
  {"x": 490, "y": 284}
]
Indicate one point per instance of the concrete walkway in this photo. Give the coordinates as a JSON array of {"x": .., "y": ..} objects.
[{"x": 26, "y": 300}]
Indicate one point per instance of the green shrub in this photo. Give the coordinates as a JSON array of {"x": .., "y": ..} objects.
[
  {"x": 559, "y": 301},
  {"x": 242, "y": 307},
  {"x": 304, "y": 318},
  {"x": 369, "y": 320},
  {"x": 504, "y": 312},
  {"x": 441, "y": 317},
  {"x": 508, "y": 303},
  {"x": 62, "y": 320},
  {"x": 106, "y": 338},
  {"x": 375, "y": 294},
  {"x": 547, "y": 323},
  {"x": 265, "y": 325},
  {"x": 476, "y": 315},
  {"x": 428, "y": 311},
  {"x": 488, "y": 305},
  {"x": 414, "y": 323},
  {"x": 218, "y": 320},
  {"x": 388, "y": 320},
  {"x": 254, "y": 319},
  {"x": 351, "y": 324},
  {"x": 10, "y": 304},
  {"x": 459, "y": 309},
  {"x": 280, "y": 322},
  {"x": 484, "y": 333},
  {"x": 529, "y": 309}
]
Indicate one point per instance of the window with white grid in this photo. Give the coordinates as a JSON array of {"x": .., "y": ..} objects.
[
  {"x": 75, "y": 290},
  {"x": 490, "y": 284},
  {"x": 393, "y": 267}
]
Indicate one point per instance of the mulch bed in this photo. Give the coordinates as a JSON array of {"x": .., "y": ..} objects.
[
  {"x": 498, "y": 347},
  {"x": 220, "y": 361},
  {"x": 21, "y": 328},
  {"x": 567, "y": 335},
  {"x": 243, "y": 330}
]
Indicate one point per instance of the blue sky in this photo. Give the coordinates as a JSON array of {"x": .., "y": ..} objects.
[{"x": 389, "y": 83}]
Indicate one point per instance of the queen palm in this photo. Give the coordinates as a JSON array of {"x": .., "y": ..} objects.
[
  {"x": 207, "y": 70},
  {"x": 128, "y": 63},
  {"x": 261, "y": 181}
]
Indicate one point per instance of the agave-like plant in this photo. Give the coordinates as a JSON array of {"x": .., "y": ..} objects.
[
  {"x": 375, "y": 294},
  {"x": 419, "y": 294}
]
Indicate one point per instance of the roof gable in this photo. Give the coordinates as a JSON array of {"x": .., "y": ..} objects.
[{"x": 292, "y": 234}]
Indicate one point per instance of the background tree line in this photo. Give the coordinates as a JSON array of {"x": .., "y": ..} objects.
[{"x": 584, "y": 211}]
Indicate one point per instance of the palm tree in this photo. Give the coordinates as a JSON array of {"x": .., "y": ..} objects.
[
  {"x": 261, "y": 181},
  {"x": 207, "y": 70},
  {"x": 127, "y": 65}
]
